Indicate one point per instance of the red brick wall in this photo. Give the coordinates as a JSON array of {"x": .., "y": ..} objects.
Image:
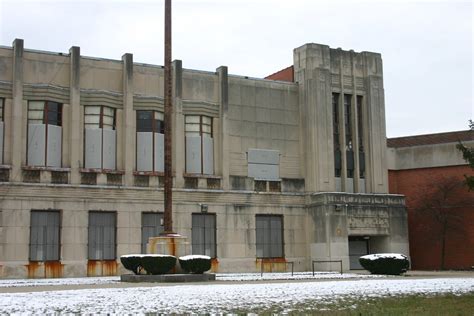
[
  {"x": 424, "y": 230},
  {"x": 286, "y": 74}
]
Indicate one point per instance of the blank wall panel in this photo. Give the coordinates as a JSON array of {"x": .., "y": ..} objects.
[
  {"x": 1, "y": 142},
  {"x": 338, "y": 184},
  {"x": 108, "y": 154},
  {"x": 263, "y": 172},
  {"x": 264, "y": 156},
  {"x": 362, "y": 185},
  {"x": 36, "y": 144},
  {"x": 54, "y": 146},
  {"x": 144, "y": 151},
  {"x": 208, "y": 155},
  {"x": 193, "y": 154},
  {"x": 93, "y": 148},
  {"x": 159, "y": 152},
  {"x": 350, "y": 185}
]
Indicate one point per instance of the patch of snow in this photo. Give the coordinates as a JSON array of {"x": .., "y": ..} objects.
[
  {"x": 221, "y": 298},
  {"x": 59, "y": 281},
  {"x": 376, "y": 256},
  {"x": 295, "y": 276},
  {"x": 141, "y": 255},
  {"x": 190, "y": 257}
]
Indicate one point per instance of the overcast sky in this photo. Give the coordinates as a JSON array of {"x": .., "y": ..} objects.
[{"x": 426, "y": 46}]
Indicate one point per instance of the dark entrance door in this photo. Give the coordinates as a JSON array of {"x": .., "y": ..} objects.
[{"x": 358, "y": 246}]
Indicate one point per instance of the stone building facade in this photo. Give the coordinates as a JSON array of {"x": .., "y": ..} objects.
[{"x": 266, "y": 172}]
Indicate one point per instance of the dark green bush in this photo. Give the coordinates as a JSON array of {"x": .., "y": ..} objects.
[
  {"x": 132, "y": 262},
  {"x": 195, "y": 263},
  {"x": 385, "y": 263},
  {"x": 158, "y": 264}
]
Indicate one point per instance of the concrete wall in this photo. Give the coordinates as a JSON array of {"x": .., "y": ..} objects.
[{"x": 425, "y": 156}]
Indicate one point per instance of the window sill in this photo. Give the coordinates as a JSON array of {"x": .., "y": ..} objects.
[
  {"x": 200, "y": 175},
  {"x": 58, "y": 169},
  {"x": 149, "y": 173},
  {"x": 5, "y": 167},
  {"x": 106, "y": 171}
]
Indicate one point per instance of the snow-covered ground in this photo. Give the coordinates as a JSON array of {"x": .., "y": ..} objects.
[
  {"x": 222, "y": 298},
  {"x": 219, "y": 276}
]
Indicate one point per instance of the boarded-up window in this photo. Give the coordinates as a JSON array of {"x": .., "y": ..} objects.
[
  {"x": 264, "y": 164},
  {"x": 204, "y": 234},
  {"x": 2, "y": 106},
  {"x": 44, "y": 133},
  {"x": 150, "y": 141},
  {"x": 269, "y": 230},
  {"x": 44, "y": 236},
  {"x": 102, "y": 231},
  {"x": 100, "y": 137},
  {"x": 348, "y": 128},
  {"x": 151, "y": 227},
  {"x": 360, "y": 133},
  {"x": 199, "y": 144}
]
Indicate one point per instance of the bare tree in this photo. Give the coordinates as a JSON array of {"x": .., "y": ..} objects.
[{"x": 442, "y": 202}]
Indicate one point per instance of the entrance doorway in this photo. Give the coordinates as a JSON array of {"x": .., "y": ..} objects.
[{"x": 358, "y": 246}]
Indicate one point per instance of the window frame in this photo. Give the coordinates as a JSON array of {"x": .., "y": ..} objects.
[
  {"x": 201, "y": 135},
  {"x": 57, "y": 255},
  {"x": 45, "y": 121},
  {"x": 143, "y": 245},
  {"x": 269, "y": 217},
  {"x": 214, "y": 246},
  {"x": 155, "y": 128},
  {"x": 103, "y": 244},
  {"x": 336, "y": 134}
]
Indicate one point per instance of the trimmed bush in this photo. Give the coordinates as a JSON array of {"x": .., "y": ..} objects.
[
  {"x": 132, "y": 262},
  {"x": 195, "y": 263},
  {"x": 158, "y": 264},
  {"x": 385, "y": 263}
]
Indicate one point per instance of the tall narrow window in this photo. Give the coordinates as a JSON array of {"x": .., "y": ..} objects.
[
  {"x": 348, "y": 127},
  {"x": 151, "y": 227},
  {"x": 269, "y": 230},
  {"x": 100, "y": 137},
  {"x": 2, "y": 128},
  {"x": 335, "y": 128},
  {"x": 204, "y": 234},
  {"x": 360, "y": 131},
  {"x": 101, "y": 239},
  {"x": 150, "y": 141},
  {"x": 44, "y": 236},
  {"x": 44, "y": 133},
  {"x": 199, "y": 144}
]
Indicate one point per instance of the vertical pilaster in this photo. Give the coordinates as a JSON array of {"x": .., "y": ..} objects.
[
  {"x": 342, "y": 125},
  {"x": 128, "y": 126},
  {"x": 224, "y": 158},
  {"x": 18, "y": 130},
  {"x": 75, "y": 118},
  {"x": 355, "y": 124},
  {"x": 179, "y": 148},
  {"x": 377, "y": 174},
  {"x": 312, "y": 72}
]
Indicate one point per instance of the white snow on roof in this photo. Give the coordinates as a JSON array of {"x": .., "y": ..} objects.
[
  {"x": 220, "y": 298},
  {"x": 384, "y": 255},
  {"x": 190, "y": 257}
]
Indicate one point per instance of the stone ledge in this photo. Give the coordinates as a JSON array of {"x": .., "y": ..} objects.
[{"x": 168, "y": 278}]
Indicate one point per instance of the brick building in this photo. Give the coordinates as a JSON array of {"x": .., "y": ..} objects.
[{"x": 429, "y": 171}]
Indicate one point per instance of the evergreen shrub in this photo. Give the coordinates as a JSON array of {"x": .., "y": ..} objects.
[
  {"x": 158, "y": 264},
  {"x": 196, "y": 264},
  {"x": 131, "y": 262},
  {"x": 385, "y": 263}
]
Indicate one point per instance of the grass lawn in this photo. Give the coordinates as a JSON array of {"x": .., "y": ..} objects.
[{"x": 448, "y": 304}]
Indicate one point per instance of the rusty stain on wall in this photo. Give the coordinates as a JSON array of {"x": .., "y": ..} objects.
[
  {"x": 271, "y": 264},
  {"x": 101, "y": 267},
  {"x": 47, "y": 269},
  {"x": 214, "y": 265}
]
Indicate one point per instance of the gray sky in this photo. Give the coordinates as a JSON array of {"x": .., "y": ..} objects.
[{"x": 426, "y": 46}]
